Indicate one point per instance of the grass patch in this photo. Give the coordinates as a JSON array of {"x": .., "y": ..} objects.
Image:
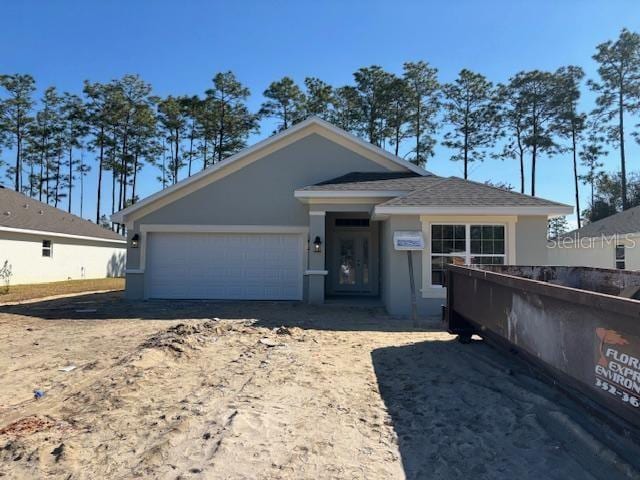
[{"x": 19, "y": 293}]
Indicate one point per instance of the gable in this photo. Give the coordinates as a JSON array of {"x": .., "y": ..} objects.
[
  {"x": 262, "y": 192},
  {"x": 312, "y": 126}
]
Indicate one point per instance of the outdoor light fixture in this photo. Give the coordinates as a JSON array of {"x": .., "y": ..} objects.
[
  {"x": 135, "y": 241},
  {"x": 317, "y": 245}
]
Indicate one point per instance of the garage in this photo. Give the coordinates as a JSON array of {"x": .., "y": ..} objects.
[{"x": 234, "y": 266}]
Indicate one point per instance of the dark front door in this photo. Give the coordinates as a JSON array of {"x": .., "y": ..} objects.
[{"x": 351, "y": 271}]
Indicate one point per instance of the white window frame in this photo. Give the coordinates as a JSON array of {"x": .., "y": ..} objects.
[
  {"x": 616, "y": 260},
  {"x": 49, "y": 248},
  {"x": 467, "y": 239}
]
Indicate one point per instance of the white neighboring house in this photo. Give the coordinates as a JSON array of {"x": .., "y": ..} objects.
[
  {"x": 40, "y": 243},
  {"x": 613, "y": 242}
]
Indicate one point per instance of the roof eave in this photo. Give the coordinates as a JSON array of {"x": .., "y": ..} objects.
[
  {"x": 349, "y": 193},
  {"x": 61, "y": 235},
  {"x": 550, "y": 211}
]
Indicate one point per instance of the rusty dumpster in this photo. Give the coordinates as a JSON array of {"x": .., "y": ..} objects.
[{"x": 580, "y": 325}]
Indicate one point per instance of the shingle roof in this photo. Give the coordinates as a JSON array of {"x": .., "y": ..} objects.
[
  {"x": 20, "y": 211},
  {"x": 431, "y": 190},
  {"x": 627, "y": 221},
  {"x": 453, "y": 191}
]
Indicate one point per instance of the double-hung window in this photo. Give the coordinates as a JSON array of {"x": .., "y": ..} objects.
[
  {"x": 465, "y": 244},
  {"x": 47, "y": 248},
  {"x": 620, "y": 257}
]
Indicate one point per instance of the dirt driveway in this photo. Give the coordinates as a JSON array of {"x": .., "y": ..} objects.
[{"x": 164, "y": 390}]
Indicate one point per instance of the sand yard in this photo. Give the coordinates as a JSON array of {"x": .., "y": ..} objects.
[{"x": 218, "y": 390}]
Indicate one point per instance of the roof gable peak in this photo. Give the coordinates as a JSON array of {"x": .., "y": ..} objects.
[{"x": 263, "y": 148}]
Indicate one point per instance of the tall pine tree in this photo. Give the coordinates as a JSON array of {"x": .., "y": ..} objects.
[{"x": 618, "y": 91}]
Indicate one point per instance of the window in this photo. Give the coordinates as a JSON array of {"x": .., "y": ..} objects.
[
  {"x": 47, "y": 248},
  {"x": 487, "y": 245},
  {"x": 352, "y": 222},
  {"x": 465, "y": 244},
  {"x": 620, "y": 260}
]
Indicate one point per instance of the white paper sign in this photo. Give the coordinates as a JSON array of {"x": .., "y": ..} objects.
[{"x": 408, "y": 241}]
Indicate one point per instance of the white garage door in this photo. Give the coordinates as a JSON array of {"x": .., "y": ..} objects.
[{"x": 224, "y": 266}]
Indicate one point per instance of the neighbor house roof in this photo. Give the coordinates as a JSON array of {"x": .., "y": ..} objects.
[
  {"x": 412, "y": 192},
  {"x": 309, "y": 126},
  {"x": 20, "y": 213},
  {"x": 621, "y": 223}
]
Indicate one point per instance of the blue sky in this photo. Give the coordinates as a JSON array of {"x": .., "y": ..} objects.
[{"x": 177, "y": 46}]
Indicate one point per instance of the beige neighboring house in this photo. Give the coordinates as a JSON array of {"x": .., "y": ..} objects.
[
  {"x": 311, "y": 213},
  {"x": 612, "y": 242},
  {"x": 40, "y": 243}
]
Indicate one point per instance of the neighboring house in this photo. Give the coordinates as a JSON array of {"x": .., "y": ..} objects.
[
  {"x": 612, "y": 242},
  {"x": 310, "y": 213},
  {"x": 40, "y": 243}
]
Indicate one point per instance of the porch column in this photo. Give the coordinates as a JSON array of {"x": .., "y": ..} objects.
[{"x": 316, "y": 269}]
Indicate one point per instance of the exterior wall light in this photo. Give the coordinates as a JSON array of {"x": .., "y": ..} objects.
[
  {"x": 135, "y": 241},
  {"x": 317, "y": 245}
]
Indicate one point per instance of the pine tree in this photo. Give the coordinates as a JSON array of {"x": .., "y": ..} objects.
[
  {"x": 530, "y": 106},
  {"x": 511, "y": 115},
  {"x": 571, "y": 124},
  {"x": 591, "y": 153},
  {"x": 424, "y": 106},
  {"x": 143, "y": 144},
  {"x": 16, "y": 117},
  {"x": 469, "y": 110},
  {"x": 98, "y": 107},
  {"x": 397, "y": 113},
  {"x": 193, "y": 107},
  {"x": 83, "y": 170},
  {"x": 373, "y": 85},
  {"x": 172, "y": 118},
  {"x": 556, "y": 227},
  {"x": 43, "y": 130},
  {"x": 285, "y": 102},
  {"x": 318, "y": 99},
  {"x": 345, "y": 109},
  {"x": 618, "y": 92},
  {"x": 75, "y": 130},
  {"x": 229, "y": 118}
]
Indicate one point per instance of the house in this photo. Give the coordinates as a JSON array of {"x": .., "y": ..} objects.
[
  {"x": 40, "y": 243},
  {"x": 310, "y": 214},
  {"x": 608, "y": 243}
]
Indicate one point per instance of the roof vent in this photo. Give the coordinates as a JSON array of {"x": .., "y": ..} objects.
[
  {"x": 41, "y": 212},
  {"x": 7, "y": 213},
  {"x": 26, "y": 205}
]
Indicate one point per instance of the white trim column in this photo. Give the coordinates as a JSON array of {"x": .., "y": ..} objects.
[{"x": 316, "y": 272}]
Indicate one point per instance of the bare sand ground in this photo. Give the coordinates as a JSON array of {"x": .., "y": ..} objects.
[{"x": 161, "y": 390}]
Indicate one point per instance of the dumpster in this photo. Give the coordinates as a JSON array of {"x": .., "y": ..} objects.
[{"x": 579, "y": 325}]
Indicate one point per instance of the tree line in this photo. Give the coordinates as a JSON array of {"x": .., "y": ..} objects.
[{"x": 125, "y": 126}]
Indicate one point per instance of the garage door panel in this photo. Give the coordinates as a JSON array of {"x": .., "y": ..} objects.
[{"x": 224, "y": 266}]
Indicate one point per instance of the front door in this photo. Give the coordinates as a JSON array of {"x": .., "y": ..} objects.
[{"x": 352, "y": 262}]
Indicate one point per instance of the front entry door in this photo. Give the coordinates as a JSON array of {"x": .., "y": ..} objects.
[{"x": 352, "y": 262}]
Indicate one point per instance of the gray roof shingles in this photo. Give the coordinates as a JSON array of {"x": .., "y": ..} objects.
[
  {"x": 431, "y": 190},
  {"x": 621, "y": 223},
  {"x": 20, "y": 211},
  {"x": 453, "y": 191}
]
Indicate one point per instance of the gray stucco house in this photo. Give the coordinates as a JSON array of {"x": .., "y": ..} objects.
[{"x": 310, "y": 214}]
